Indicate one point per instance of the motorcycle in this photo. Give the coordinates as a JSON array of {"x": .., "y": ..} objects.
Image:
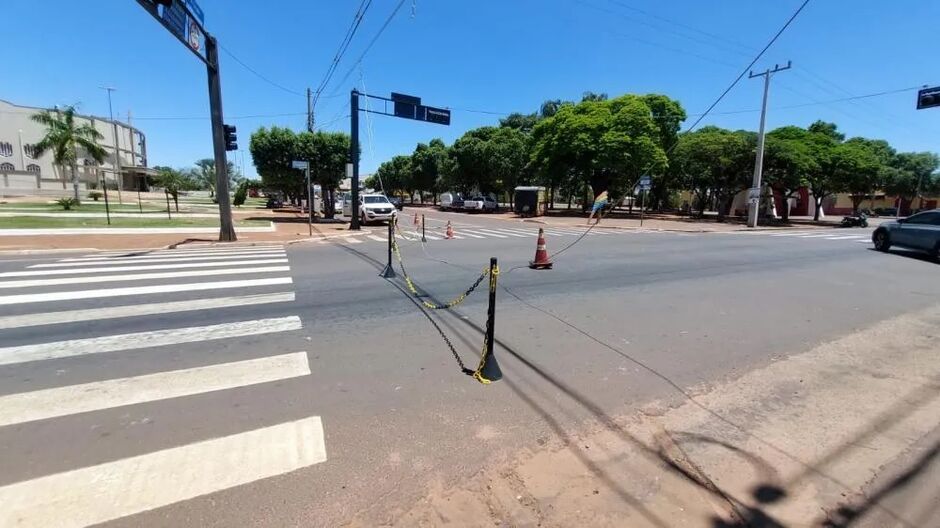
[{"x": 859, "y": 220}]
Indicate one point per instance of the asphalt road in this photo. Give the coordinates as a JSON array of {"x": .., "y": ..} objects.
[{"x": 383, "y": 411}]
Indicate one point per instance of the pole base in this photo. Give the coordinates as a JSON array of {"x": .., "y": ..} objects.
[{"x": 388, "y": 273}]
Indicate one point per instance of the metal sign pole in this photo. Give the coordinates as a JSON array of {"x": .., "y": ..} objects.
[{"x": 309, "y": 204}]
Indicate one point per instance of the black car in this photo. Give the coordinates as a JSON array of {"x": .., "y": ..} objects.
[
  {"x": 274, "y": 203},
  {"x": 396, "y": 201}
]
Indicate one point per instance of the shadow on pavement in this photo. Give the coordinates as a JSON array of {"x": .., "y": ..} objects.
[{"x": 667, "y": 449}]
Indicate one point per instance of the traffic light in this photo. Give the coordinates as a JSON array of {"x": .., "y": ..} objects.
[
  {"x": 231, "y": 139},
  {"x": 928, "y": 98}
]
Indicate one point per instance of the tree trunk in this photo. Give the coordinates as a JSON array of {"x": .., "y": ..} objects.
[
  {"x": 551, "y": 197},
  {"x": 176, "y": 201},
  {"x": 75, "y": 182},
  {"x": 856, "y": 201},
  {"x": 818, "y": 201},
  {"x": 570, "y": 196},
  {"x": 785, "y": 214}
]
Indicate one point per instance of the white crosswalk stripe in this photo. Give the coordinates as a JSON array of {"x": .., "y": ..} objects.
[
  {"x": 838, "y": 235},
  {"x": 187, "y": 282},
  {"x": 157, "y": 258},
  {"x": 505, "y": 232}
]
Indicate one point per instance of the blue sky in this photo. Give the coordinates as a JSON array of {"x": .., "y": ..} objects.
[{"x": 485, "y": 55}]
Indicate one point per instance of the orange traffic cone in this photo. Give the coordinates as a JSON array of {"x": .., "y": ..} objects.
[
  {"x": 416, "y": 218},
  {"x": 541, "y": 254},
  {"x": 450, "y": 231}
]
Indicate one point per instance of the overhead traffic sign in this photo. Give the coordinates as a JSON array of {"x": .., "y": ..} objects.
[{"x": 928, "y": 98}]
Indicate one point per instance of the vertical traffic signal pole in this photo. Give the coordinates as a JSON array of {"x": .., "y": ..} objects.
[
  {"x": 226, "y": 229},
  {"x": 354, "y": 156}
]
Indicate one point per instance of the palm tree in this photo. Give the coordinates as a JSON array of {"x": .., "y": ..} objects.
[
  {"x": 206, "y": 174},
  {"x": 64, "y": 137}
]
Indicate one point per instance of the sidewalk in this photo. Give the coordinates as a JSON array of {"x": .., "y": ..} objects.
[
  {"x": 90, "y": 239},
  {"x": 829, "y": 437},
  {"x": 664, "y": 222}
]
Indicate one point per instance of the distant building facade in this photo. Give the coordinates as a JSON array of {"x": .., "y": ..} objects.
[{"x": 23, "y": 172}]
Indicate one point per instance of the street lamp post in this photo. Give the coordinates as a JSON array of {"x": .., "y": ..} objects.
[{"x": 117, "y": 153}]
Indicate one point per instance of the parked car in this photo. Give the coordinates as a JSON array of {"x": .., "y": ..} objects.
[
  {"x": 451, "y": 201},
  {"x": 480, "y": 203},
  {"x": 274, "y": 203},
  {"x": 396, "y": 201},
  {"x": 372, "y": 208},
  {"x": 920, "y": 232}
]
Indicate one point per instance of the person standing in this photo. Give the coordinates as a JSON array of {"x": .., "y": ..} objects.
[{"x": 599, "y": 202}]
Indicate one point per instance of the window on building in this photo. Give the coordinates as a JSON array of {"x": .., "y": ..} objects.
[
  {"x": 32, "y": 167},
  {"x": 7, "y": 167},
  {"x": 6, "y": 149},
  {"x": 30, "y": 150}
]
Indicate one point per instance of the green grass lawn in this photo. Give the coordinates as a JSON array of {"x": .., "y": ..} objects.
[
  {"x": 25, "y": 222},
  {"x": 86, "y": 207}
]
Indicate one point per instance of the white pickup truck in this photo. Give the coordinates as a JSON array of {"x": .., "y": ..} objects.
[{"x": 480, "y": 204}]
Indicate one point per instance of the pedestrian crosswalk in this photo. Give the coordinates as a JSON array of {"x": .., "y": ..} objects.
[
  {"x": 153, "y": 317},
  {"x": 479, "y": 233},
  {"x": 862, "y": 237}
]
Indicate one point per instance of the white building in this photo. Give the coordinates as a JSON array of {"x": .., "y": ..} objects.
[{"x": 22, "y": 173}]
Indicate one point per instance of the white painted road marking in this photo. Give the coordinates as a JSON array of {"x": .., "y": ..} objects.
[
  {"x": 847, "y": 237},
  {"x": 465, "y": 233},
  {"x": 179, "y": 255},
  {"x": 149, "y": 260},
  {"x": 377, "y": 239},
  {"x": 139, "y": 290},
  {"x": 185, "y": 265},
  {"x": 120, "y": 342},
  {"x": 136, "y": 310},
  {"x": 87, "y": 397},
  {"x": 484, "y": 232},
  {"x": 124, "y": 487},
  {"x": 33, "y": 283},
  {"x": 204, "y": 249}
]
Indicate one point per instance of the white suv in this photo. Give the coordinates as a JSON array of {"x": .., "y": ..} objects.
[{"x": 372, "y": 208}]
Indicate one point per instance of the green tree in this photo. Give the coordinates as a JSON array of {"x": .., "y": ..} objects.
[
  {"x": 327, "y": 153},
  {"x": 788, "y": 162},
  {"x": 607, "y": 144},
  {"x": 241, "y": 194},
  {"x": 272, "y": 151},
  {"x": 428, "y": 163},
  {"x": 63, "y": 137},
  {"x": 861, "y": 167},
  {"x": 717, "y": 162},
  {"x": 395, "y": 177},
  {"x": 914, "y": 175},
  {"x": 823, "y": 141},
  {"x": 205, "y": 174},
  {"x": 469, "y": 170},
  {"x": 173, "y": 181},
  {"x": 522, "y": 122},
  {"x": 507, "y": 154}
]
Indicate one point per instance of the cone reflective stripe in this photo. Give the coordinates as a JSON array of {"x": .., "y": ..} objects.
[
  {"x": 450, "y": 231},
  {"x": 541, "y": 254}
]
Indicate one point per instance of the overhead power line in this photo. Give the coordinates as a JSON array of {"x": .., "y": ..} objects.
[
  {"x": 750, "y": 65},
  {"x": 352, "y": 67},
  {"x": 259, "y": 75},
  {"x": 343, "y": 46}
]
